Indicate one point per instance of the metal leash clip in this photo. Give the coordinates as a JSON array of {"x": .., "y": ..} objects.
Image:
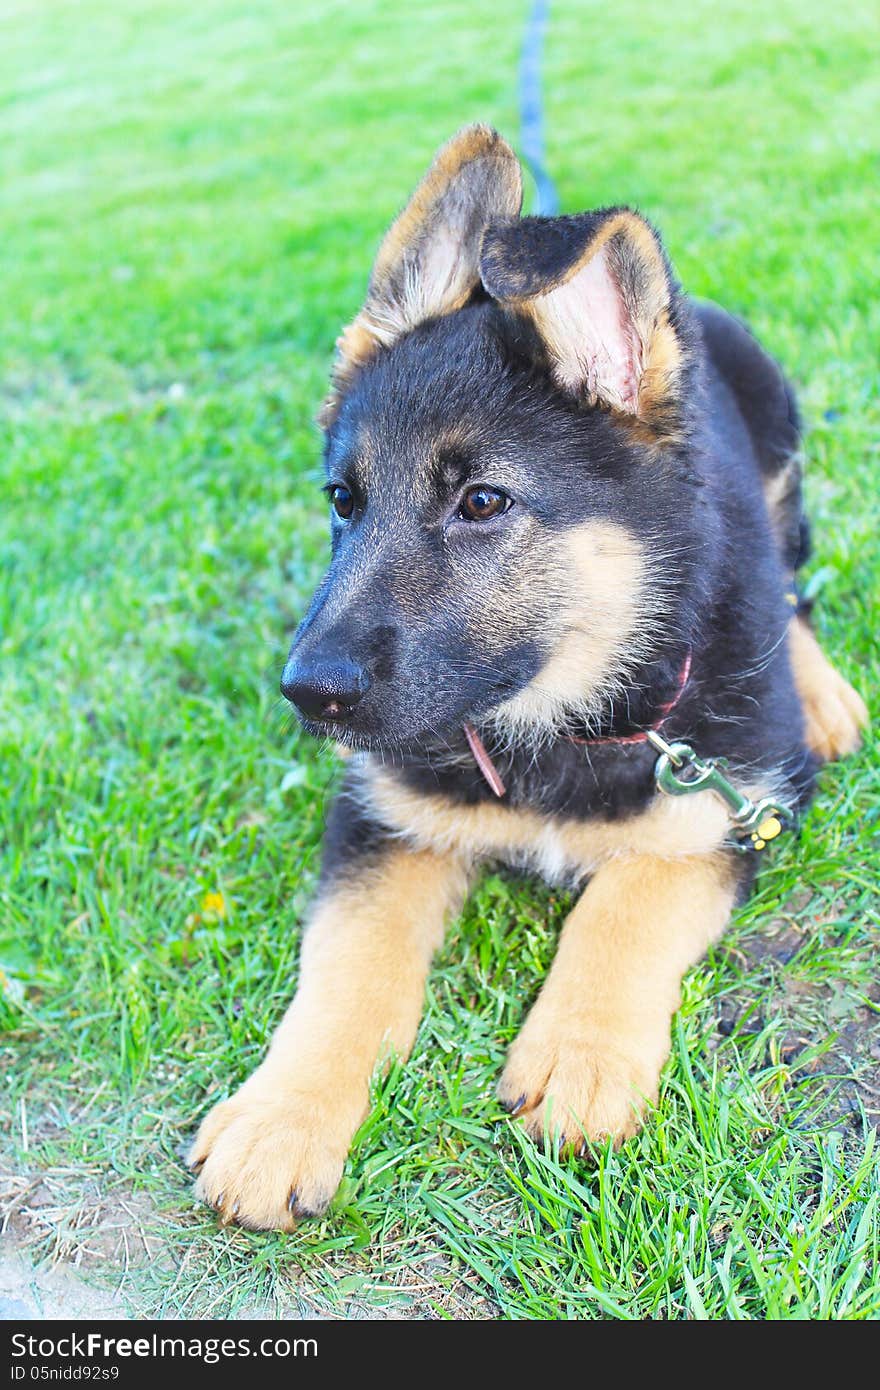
[{"x": 754, "y": 822}]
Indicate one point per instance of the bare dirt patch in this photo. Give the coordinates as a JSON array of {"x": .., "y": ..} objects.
[
  {"x": 29, "y": 1292},
  {"x": 69, "y": 1246},
  {"x": 837, "y": 1019}
]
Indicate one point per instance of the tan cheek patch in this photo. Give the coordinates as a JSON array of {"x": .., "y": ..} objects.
[{"x": 594, "y": 602}]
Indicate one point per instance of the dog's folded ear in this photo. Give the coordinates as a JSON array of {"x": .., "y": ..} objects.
[
  {"x": 429, "y": 261},
  {"x": 598, "y": 290}
]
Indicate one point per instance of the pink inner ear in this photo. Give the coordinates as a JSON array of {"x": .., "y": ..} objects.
[{"x": 586, "y": 324}]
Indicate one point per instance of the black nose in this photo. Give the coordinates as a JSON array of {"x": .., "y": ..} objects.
[{"x": 324, "y": 689}]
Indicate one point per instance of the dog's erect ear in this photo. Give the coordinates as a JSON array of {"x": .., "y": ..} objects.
[
  {"x": 429, "y": 262},
  {"x": 598, "y": 289}
]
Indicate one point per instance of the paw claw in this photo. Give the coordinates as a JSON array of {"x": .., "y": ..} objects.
[
  {"x": 513, "y": 1107},
  {"x": 255, "y": 1143},
  {"x": 583, "y": 1090}
]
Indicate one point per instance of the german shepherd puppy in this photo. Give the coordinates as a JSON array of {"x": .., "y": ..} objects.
[{"x": 566, "y": 511}]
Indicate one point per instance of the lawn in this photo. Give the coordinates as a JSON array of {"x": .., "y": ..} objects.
[{"x": 191, "y": 196}]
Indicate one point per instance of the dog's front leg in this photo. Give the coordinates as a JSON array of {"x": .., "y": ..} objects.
[
  {"x": 589, "y": 1056},
  {"x": 276, "y": 1149}
]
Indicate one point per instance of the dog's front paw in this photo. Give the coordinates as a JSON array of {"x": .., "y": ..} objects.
[
  {"x": 586, "y": 1085},
  {"x": 266, "y": 1159},
  {"x": 834, "y": 717},
  {"x": 834, "y": 713}
]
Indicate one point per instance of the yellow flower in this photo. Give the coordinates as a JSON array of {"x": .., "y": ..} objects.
[{"x": 214, "y": 902}]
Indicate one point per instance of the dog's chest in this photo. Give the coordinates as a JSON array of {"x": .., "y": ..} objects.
[{"x": 558, "y": 848}]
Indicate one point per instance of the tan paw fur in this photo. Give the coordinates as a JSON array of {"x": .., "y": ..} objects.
[
  {"x": 834, "y": 713},
  {"x": 587, "y": 1086},
  {"x": 266, "y": 1161},
  {"x": 834, "y": 718}
]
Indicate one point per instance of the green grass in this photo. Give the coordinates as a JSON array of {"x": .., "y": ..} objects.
[{"x": 190, "y": 200}]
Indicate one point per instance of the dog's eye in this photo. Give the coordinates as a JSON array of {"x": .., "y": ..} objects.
[
  {"x": 342, "y": 501},
  {"x": 480, "y": 503}
]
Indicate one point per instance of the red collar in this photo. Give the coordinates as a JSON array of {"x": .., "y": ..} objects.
[
  {"x": 665, "y": 711},
  {"x": 493, "y": 777}
]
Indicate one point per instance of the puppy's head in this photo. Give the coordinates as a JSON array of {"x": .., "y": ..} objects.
[{"x": 505, "y": 460}]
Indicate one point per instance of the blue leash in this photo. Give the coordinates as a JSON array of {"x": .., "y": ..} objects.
[{"x": 546, "y": 201}]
